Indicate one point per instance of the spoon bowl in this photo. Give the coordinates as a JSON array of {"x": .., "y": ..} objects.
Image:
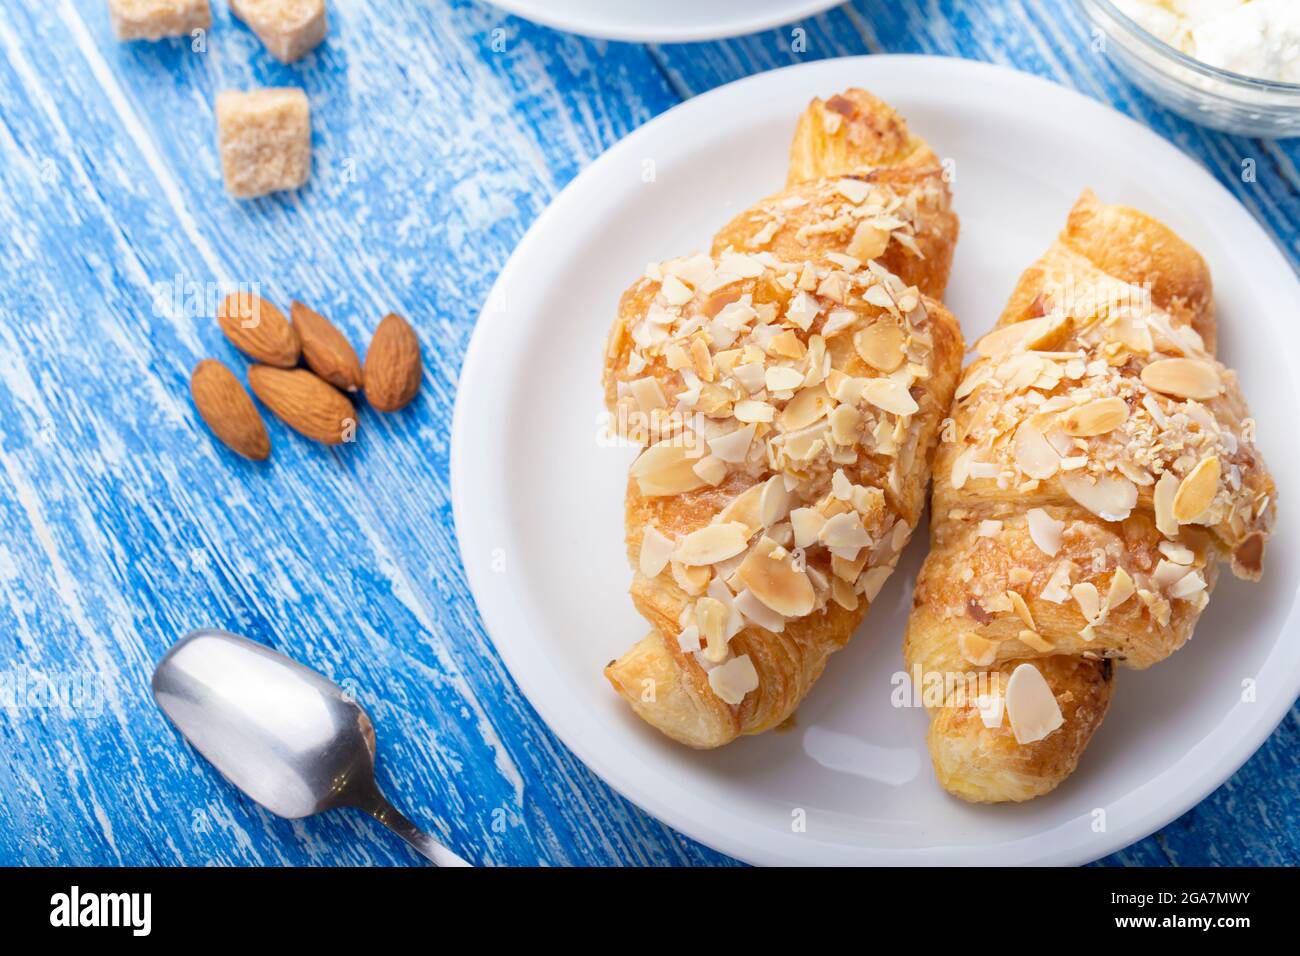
[{"x": 292, "y": 740}]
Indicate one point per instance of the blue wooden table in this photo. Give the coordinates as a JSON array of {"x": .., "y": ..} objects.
[{"x": 441, "y": 131}]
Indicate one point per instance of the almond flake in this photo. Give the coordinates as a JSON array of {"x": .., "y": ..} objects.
[
  {"x": 841, "y": 487},
  {"x": 1167, "y": 574},
  {"x": 734, "y": 679},
  {"x": 1022, "y": 609},
  {"x": 775, "y": 582},
  {"x": 1031, "y": 706},
  {"x": 842, "y": 593},
  {"x": 781, "y": 379},
  {"x": 648, "y": 394},
  {"x": 989, "y": 528},
  {"x": 712, "y": 543},
  {"x": 1111, "y": 497},
  {"x": 689, "y": 639},
  {"x": 675, "y": 291},
  {"x": 868, "y": 242},
  {"x": 666, "y": 469},
  {"x": 880, "y": 345},
  {"x": 1045, "y": 531},
  {"x": 1188, "y": 586},
  {"x": 807, "y": 523},
  {"x": 711, "y": 468},
  {"x": 1121, "y": 589},
  {"x": 1096, "y": 417},
  {"x": 873, "y": 579},
  {"x": 1163, "y": 500},
  {"x": 978, "y": 650},
  {"x": 1034, "y": 455},
  {"x": 711, "y": 617},
  {"x": 1197, "y": 491},
  {"x": 805, "y": 408},
  {"x": 774, "y": 502},
  {"x": 1088, "y": 599},
  {"x": 890, "y": 395},
  {"x": 1183, "y": 378},
  {"x": 656, "y": 549},
  {"x": 844, "y": 424},
  {"x": 734, "y": 446},
  {"x": 758, "y": 613},
  {"x": 751, "y": 411},
  {"x": 845, "y": 530}
]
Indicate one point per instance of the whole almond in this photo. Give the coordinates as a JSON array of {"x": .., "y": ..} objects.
[
  {"x": 258, "y": 329},
  {"x": 228, "y": 411},
  {"x": 307, "y": 404},
  {"x": 392, "y": 365},
  {"x": 325, "y": 348}
]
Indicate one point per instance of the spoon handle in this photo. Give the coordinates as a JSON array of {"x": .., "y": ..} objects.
[{"x": 421, "y": 842}]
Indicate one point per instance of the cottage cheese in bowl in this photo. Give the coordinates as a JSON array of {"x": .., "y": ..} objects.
[{"x": 1256, "y": 38}]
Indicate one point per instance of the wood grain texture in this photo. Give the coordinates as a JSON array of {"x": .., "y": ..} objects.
[{"x": 441, "y": 131}]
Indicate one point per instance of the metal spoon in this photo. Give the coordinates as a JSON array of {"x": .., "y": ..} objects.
[{"x": 280, "y": 732}]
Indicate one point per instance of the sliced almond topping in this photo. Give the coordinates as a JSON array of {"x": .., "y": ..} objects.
[
  {"x": 656, "y": 549},
  {"x": 733, "y": 446},
  {"x": 1045, "y": 531},
  {"x": 807, "y": 524},
  {"x": 786, "y": 345},
  {"x": 755, "y": 611},
  {"x": 841, "y": 487},
  {"x": 778, "y": 378},
  {"x": 752, "y": 411},
  {"x": 711, "y": 468},
  {"x": 890, "y": 395},
  {"x": 701, "y": 358},
  {"x": 1167, "y": 574},
  {"x": 745, "y": 508},
  {"x": 769, "y": 574},
  {"x": 689, "y": 639},
  {"x": 873, "y": 579},
  {"x": 845, "y": 531},
  {"x": 1121, "y": 589},
  {"x": 978, "y": 650},
  {"x": 1022, "y": 609},
  {"x": 805, "y": 408},
  {"x": 1163, "y": 501},
  {"x": 691, "y": 580},
  {"x": 711, "y": 618},
  {"x": 1088, "y": 599},
  {"x": 989, "y": 528},
  {"x": 868, "y": 242},
  {"x": 880, "y": 345},
  {"x": 734, "y": 679},
  {"x": 665, "y": 469},
  {"x": 712, "y": 543},
  {"x": 844, "y": 424},
  {"x": 1197, "y": 490},
  {"x": 1031, "y": 706},
  {"x": 1183, "y": 378},
  {"x": 1110, "y": 497},
  {"x": 842, "y": 593},
  {"x": 1036, "y": 641},
  {"x": 1034, "y": 454},
  {"x": 1188, "y": 586},
  {"x": 1096, "y": 417},
  {"x": 774, "y": 502},
  {"x": 648, "y": 394}
]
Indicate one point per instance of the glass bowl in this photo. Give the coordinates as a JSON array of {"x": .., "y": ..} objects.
[{"x": 1204, "y": 94}]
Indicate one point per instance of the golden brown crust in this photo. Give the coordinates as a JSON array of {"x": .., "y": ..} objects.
[
  {"x": 1098, "y": 466},
  {"x": 787, "y": 251}
]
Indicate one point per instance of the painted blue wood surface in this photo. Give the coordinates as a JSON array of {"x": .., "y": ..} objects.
[{"x": 441, "y": 131}]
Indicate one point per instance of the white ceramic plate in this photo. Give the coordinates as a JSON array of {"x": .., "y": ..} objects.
[
  {"x": 663, "y": 21},
  {"x": 539, "y": 501}
]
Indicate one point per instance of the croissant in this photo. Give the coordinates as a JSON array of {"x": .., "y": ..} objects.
[
  {"x": 1098, "y": 466},
  {"x": 788, "y": 389}
]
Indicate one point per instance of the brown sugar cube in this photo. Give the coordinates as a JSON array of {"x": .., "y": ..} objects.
[
  {"x": 265, "y": 140},
  {"x": 290, "y": 29},
  {"x": 155, "y": 19}
]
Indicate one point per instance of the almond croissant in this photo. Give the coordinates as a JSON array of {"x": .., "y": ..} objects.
[
  {"x": 1099, "y": 464},
  {"x": 789, "y": 389}
]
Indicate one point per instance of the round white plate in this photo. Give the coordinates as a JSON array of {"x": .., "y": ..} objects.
[
  {"x": 539, "y": 499},
  {"x": 663, "y": 21}
]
